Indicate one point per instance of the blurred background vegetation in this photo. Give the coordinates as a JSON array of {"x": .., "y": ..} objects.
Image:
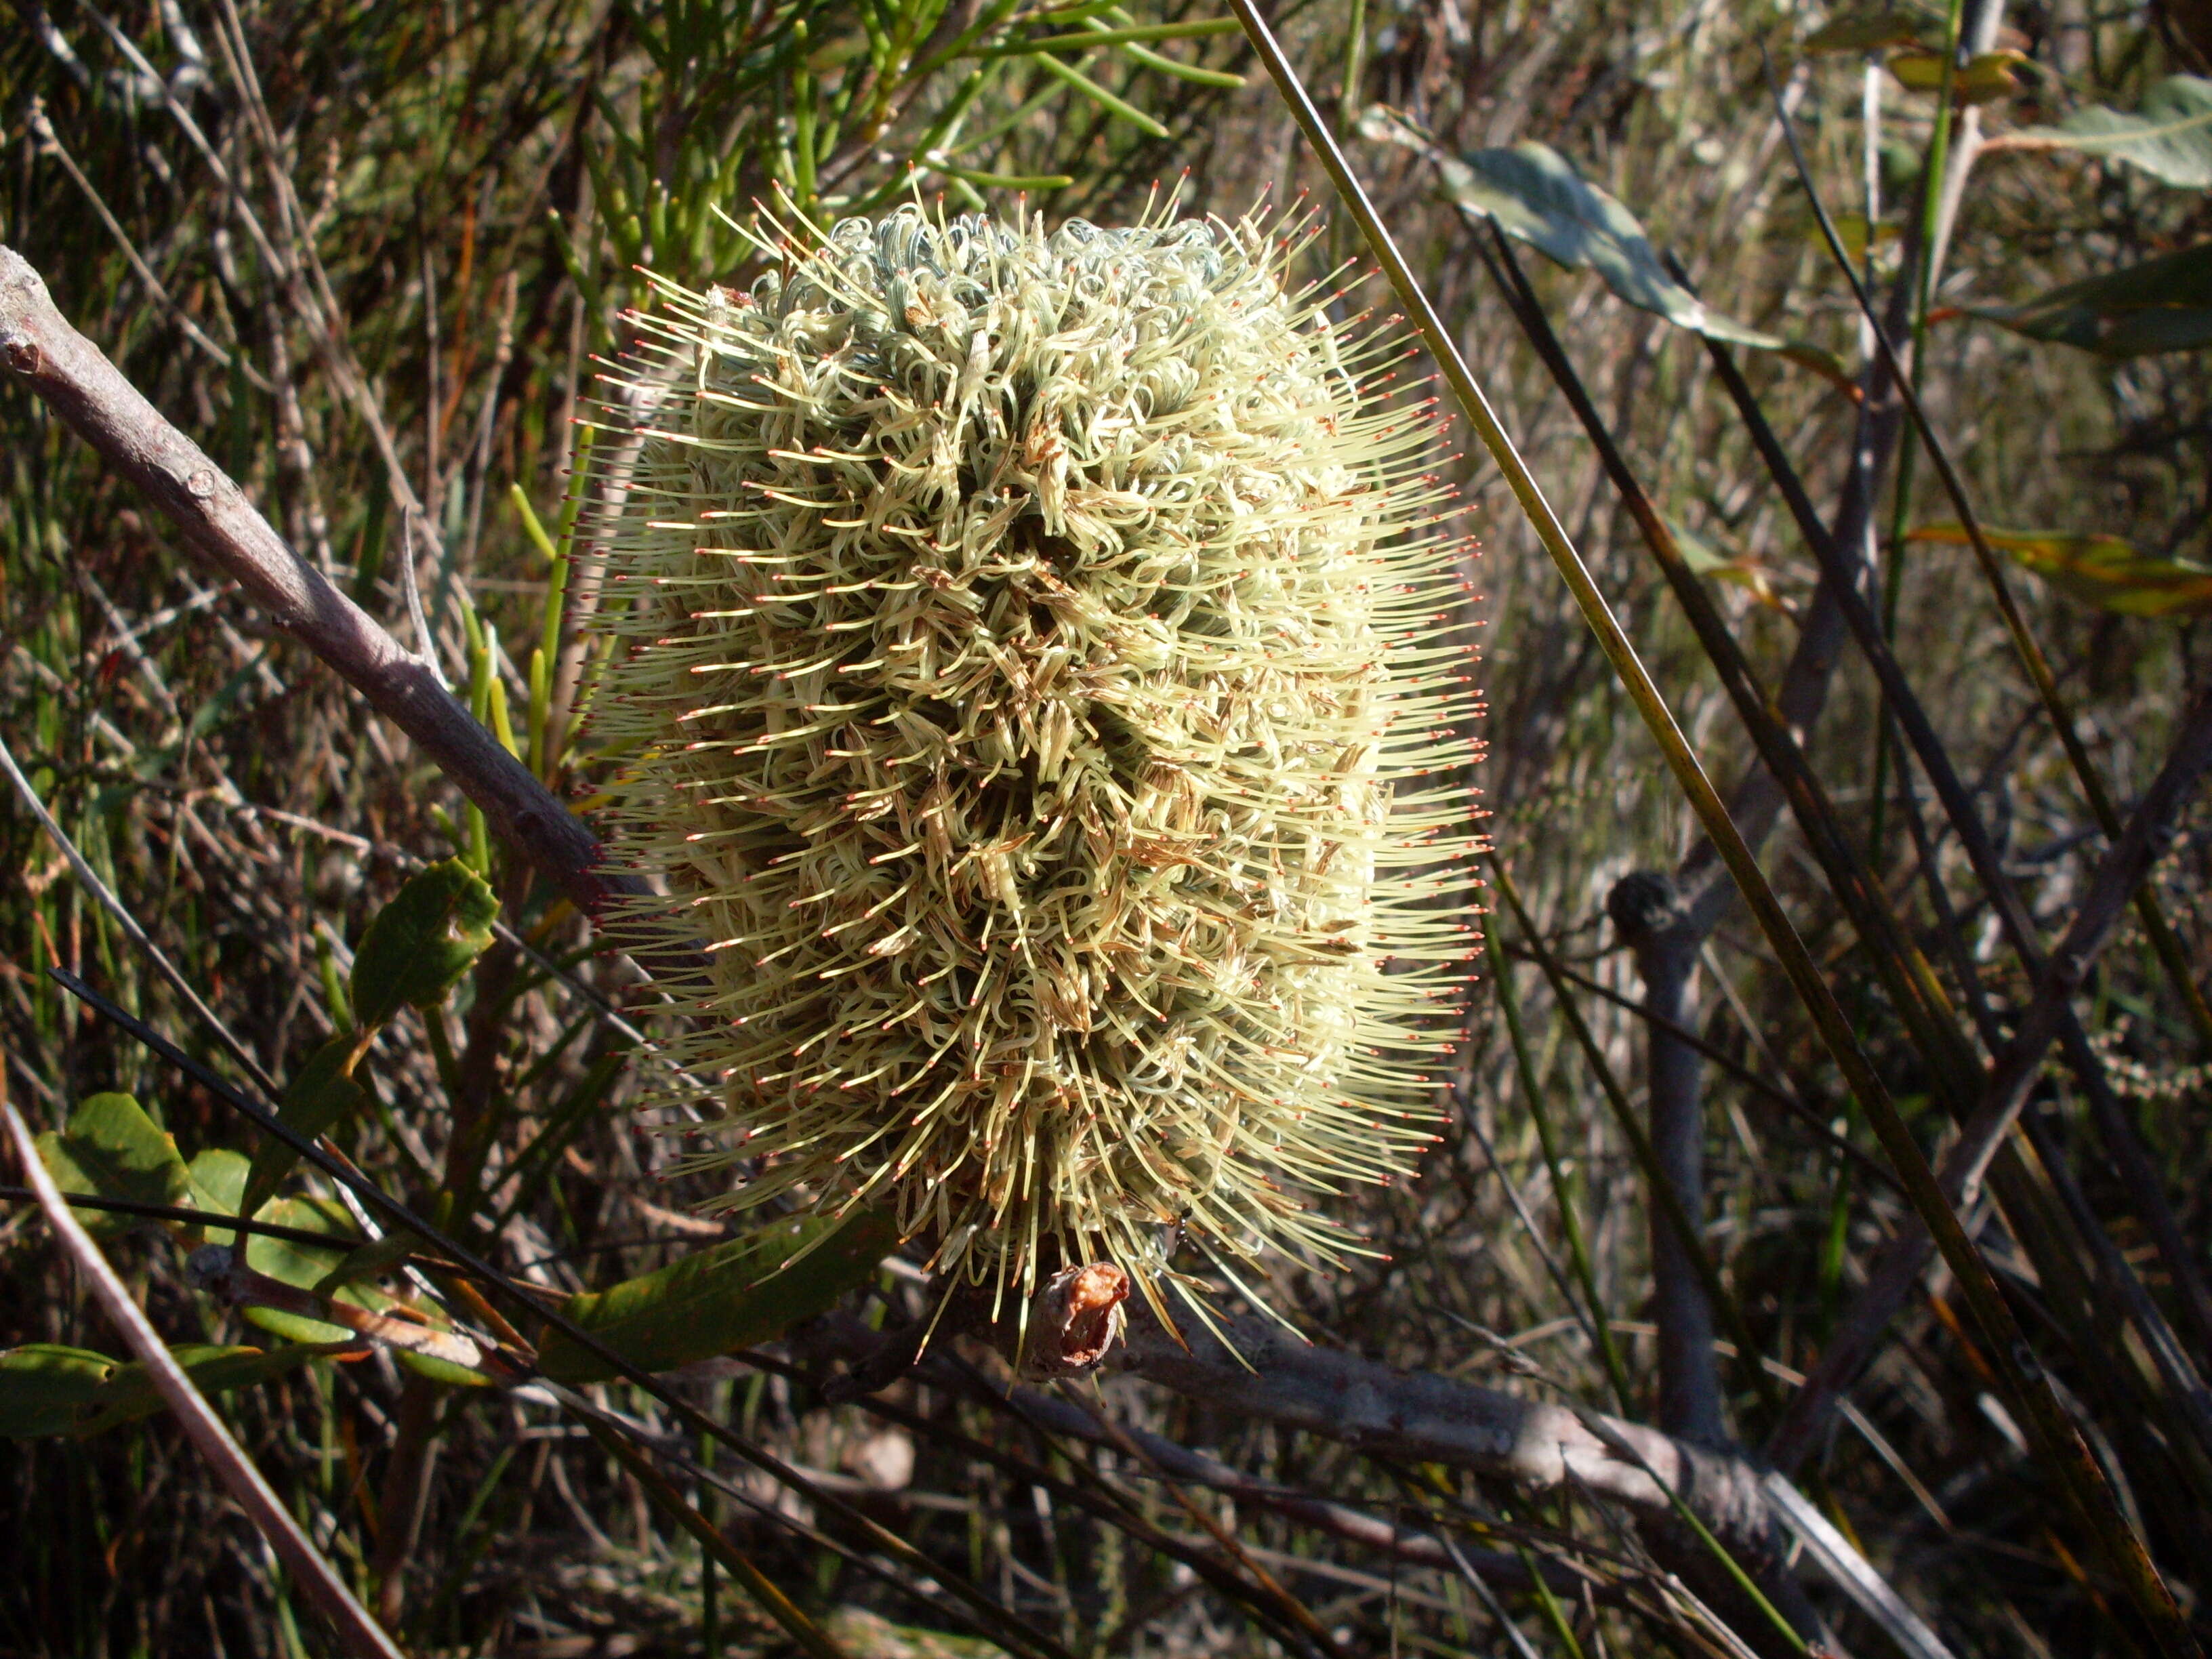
[{"x": 372, "y": 257}]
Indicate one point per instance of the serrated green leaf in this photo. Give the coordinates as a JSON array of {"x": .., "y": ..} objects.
[
  {"x": 44, "y": 1387},
  {"x": 129, "y": 1394},
  {"x": 2104, "y": 571},
  {"x": 2162, "y": 305},
  {"x": 321, "y": 1095},
  {"x": 423, "y": 941},
  {"x": 112, "y": 1149},
  {"x": 748, "y": 1291},
  {"x": 2170, "y": 137}
]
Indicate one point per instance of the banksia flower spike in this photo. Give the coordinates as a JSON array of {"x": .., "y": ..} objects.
[{"x": 1044, "y": 683}]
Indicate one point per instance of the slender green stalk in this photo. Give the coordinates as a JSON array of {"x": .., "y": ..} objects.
[
  {"x": 1923, "y": 278},
  {"x": 1084, "y": 40}
]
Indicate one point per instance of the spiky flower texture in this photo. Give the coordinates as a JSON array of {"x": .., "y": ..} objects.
[{"x": 1047, "y": 677}]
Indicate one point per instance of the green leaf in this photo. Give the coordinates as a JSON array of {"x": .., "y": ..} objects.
[
  {"x": 423, "y": 941},
  {"x": 1982, "y": 78},
  {"x": 2162, "y": 305},
  {"x": 129, "y": 1394},
  {"x": 748, "y": 1291},
  {"x": 306, "y": 1266},
  {"x": 372, "y": 1261},
  {"x": 2106, "y": 571},
  {"x": 2170, "y": 137},
  {"x": 1705, "y": 560},
  {"x": 112, "y": 1149},
  {"x": 320, "y": 1095},
  {"x": 1873, "y": 28},
  {"x": 218, "y": 1180},
  {"x": 1534, "y": 194},
  {"x": 44, "y": 1387}
]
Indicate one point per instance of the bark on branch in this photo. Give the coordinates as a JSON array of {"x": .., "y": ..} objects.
[
  {"x": 1648, "y": 913},
  {"x": 1425, "y": 1417},
  {"x": 41, "y": 352}
]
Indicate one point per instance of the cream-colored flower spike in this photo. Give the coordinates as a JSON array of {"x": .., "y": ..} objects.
[{"x": 1048, "y": 688}]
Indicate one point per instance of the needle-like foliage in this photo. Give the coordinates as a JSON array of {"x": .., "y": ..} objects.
[{"x": 1049, "y": 682}]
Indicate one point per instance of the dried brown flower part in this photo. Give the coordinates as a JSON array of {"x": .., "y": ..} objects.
[
  {"x": 1073, "y": 1321},
  {"x": 1048, "y": 679}
]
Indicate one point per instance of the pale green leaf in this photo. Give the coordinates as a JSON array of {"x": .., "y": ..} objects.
[
  {"x": 112, "y": 1149},
  {"x": 2170, "y": 137},
  {"x": 1706, "y": 560},
  {"x": 1534, "y": 194}
]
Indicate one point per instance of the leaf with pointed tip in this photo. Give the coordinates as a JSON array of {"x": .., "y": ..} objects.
[
  {"x": 2106, "y": 571},
  {"x": 322, "y": 1094},
  {"x": 44, "y": 1387},
  {"x": 2162, "y": 305},
  {"x": 218, "y": 1183},
  {"x": 112, "y": 1149},
  {"x": 131, "y": 1395},
  {"x": 1534, "y": 194},
  {"x": 1982, "y": 78},
  {"x": 2170, "y": 137},
  {"x": 423, "y": 941},
  {"x": 1705, "y": 560},
  {"x": 751, "y": 1290}
]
